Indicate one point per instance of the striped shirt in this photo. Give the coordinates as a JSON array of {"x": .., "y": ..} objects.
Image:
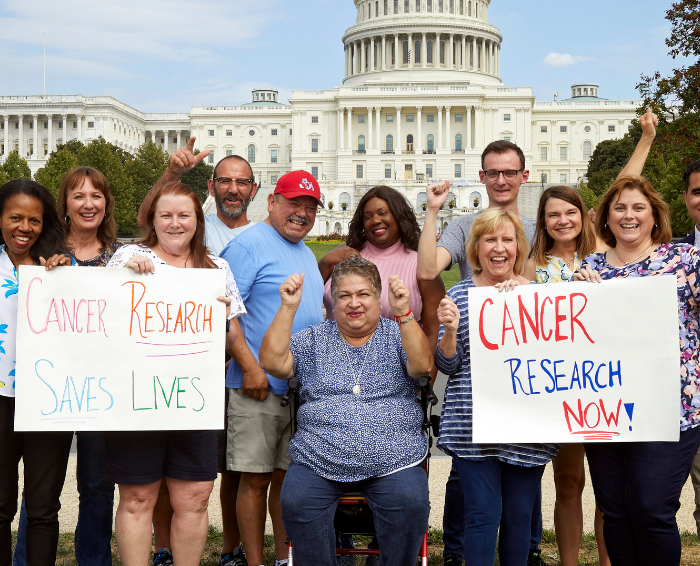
[{"x": 456, "y": 420}]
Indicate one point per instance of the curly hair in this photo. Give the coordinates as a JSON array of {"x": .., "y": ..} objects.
[
  {"x": 356, "y": 265},
  {"x": 51, "y": 240},
  {"x": 399, "y": 208},
  {"x": 198, "y": 249},
  {"x": 107, "y": 231}
]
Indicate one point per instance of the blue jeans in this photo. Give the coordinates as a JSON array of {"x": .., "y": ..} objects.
[
  {"x": 498, "y": 495},
  {"x": 93, "y": 533},
  {"x": 400, "y": 504},
  {"x": 453, "y": 519},
  {"x": 638, "y": 487}
]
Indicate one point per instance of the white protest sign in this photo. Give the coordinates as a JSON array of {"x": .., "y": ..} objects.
[
  {"x": 576, "y": 362},
  {"x": 107, "y": 349}
]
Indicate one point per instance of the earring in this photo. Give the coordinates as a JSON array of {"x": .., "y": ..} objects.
[
  {"x": 67, "y": 220},
  {"x": 606, "y": 226}
]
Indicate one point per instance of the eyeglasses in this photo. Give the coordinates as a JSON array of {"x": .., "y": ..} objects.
[
  {"x": 226, "y": 183},
  {"x": 508, "y": 174}
]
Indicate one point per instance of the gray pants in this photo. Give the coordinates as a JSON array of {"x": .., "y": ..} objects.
[{"x": 695, "y": 477}]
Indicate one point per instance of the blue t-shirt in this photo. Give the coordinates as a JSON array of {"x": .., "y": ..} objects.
[
  {"x": 217, "y": 234},
  {"x": 261, "y": 260}
]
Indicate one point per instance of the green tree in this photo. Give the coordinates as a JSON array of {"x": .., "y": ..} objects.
[
  {"x": 198, "y": 178},
  {"x": 74, "y": 146},
  {"x": 15, "y": 167},
  {"x": 56, "y": 167},
  {"x": 145, "y": 168},
  {"x": 3, "y": 179},
  {"x": 100, "y": 155}
]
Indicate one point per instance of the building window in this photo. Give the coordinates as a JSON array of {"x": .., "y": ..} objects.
[
  {"x": 387, "y": 171},
  {"x": 409, "y": 117},
  {"x": 16, "y": 125},
  {"x": 210, "y": 158},
  {"x": 386, "y": 7},
  {"x": 562, "y": 178},
  {"x": 544, "y": 177},
  {"x": 543, "y": 129},
  {"x": 406, "y": 7},
  {"x": 389, "y": 117},
  {"x": 442, "y": 52},
  {"x": 273, "y": 179},
  {"x": 314, "y": 145},
  {"x": 543, "y": 154},
  {"x": 417, "y": 45},
  {"x": 458, "y": 142},
  {"x": 431, "y": 142},
  {"x": 611, "y": 129},
  {"x": 273, "y": 132},
  {"x": 359, "y": 171},
  {"x": 506, "y": 117},
  {"x": 431, "y": 117},
  {"x": 563, "y": 154},
  {"x": 396, "y": 6},
  {"x": 211, "y": 133},
  {"x": 251, "y": 133},
  {"x": 506, "y": 138},
  {"x": 429, "y": 170},
  {"x": 430, "y": 48},
  {"x": 229, "y": 133},
  {"x": 290, "y": 131},
  {"x": 587, "y": 129},
  {"x": 361, "y": 143},
  {"x": 458, "y": 170},
  {"x": 229, "y": 152},
  {"x": 405, "y": 52},
  {"x": 430, "y": 5},
  {"x": 31, "y": 127},
  {"x": 46, "y": 126},
  {"x": 75, "y": 125},
  {"x": 314, "y": 172},
  {"x": 361, "y": 119},
  {"x": 563, "y": 129},
  {"x": 90, "y": 125},
  {"x": 587, "y": 150},
  {"x": 630, "y": 128},
  {"x": 458, "y": 118},
  {"x": 390, "y": 143},
  {"x": 251, "y": 153},
  {"x": 273, "y": 156},
  {"x": 314, "y": 119}
]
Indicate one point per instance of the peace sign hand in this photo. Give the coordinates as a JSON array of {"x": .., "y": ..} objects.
[{"x": 184, "y": 159}]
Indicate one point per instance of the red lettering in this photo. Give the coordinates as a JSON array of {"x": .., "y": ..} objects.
[
  {"x": 548, "y": 336},
  {"x": 613, "y": 416},
  {"x": 168, "y": 318},
  {"x": 558, "y": 318},
  {"x": 484, "y": 341},
  {"x": 189, "y": 316},
  {"x": 57, "y": 320},
  {"x": 91, "y": 314},
  {"x": 574, "y": 317},
  {"x": 147, "y": 317},
  {"x": 522, "y": 312},
  {"x": 211, "y": 310},
  {"x": 179, "y": 321},
  {"x": 585, "y": 415},
  {"x": 568, "y": 411},
  {"x": 162, "y": 320},
  {"x": 102, "y": 305},
  {"x": 66, "y": 316},
  {"x": 77, "y": 314},
  {"x": 506, "y": 312}
]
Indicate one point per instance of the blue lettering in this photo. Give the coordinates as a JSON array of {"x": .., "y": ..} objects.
[
  {"x": 558, "y": 375},
  {"x": 82, "y": 394},
  {"x": 530, "y": 377},
  {"x": 107, "y": 392},
  {"x": 617, "y": 373},
  {"x": 89, "y": 379},
  {"x": 514, "y": 377},
  {"x": 554, "y": 383},
  {"x": 589, "y": 381},
  {"x": 36, "y": 370},
  {"x": 66, "y": 392},
  {"x": 575, "y": 378}
]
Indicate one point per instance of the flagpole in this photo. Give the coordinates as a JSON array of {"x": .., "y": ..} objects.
[{"x": 44, "y": 63}]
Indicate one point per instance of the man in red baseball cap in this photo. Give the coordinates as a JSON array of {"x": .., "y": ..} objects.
[{"x": 299, "y": 184}]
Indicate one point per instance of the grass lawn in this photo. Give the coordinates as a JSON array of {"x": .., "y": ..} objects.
[
  {"x": 587, "y": 555},
  {"x": 448, "y": 277}
]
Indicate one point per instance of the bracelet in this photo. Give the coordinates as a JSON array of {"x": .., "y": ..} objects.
[
  {"x": 402, "y": 315},
  {"x": 409, "y": 319}
]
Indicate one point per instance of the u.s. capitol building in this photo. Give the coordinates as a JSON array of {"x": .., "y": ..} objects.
[{"x": 421, "y": 98}]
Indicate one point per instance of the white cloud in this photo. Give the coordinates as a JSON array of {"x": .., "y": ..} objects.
[{"x": 563, "y": 59}]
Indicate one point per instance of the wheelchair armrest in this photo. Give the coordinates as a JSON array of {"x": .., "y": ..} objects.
[{"x": 289, "y": 395}]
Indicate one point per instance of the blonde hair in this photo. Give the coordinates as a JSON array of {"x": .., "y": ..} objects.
[{"x": 488, "y": 222}]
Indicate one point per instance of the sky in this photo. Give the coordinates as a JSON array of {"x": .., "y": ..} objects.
[{"x": 170, "y": 55}]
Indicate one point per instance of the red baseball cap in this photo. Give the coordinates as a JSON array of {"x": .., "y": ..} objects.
[{"x": 299, "y": 184}]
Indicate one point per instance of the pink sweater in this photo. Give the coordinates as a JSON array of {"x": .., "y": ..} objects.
[{"x": 391, "y": 261}]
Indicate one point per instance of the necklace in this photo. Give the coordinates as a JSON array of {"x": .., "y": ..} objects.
[
  {"x": 645, "y": 252},
  {"x": 357, "y": 389}
]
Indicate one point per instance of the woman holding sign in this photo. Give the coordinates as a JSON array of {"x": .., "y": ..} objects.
[
  {"x": 638, "y": 485},
  {"x": 500, "y": 481},
  {"x": 30, "y": 232},
  {"x": 137, "y": 461}
]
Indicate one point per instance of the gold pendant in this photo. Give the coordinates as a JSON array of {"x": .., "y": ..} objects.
[{"x": 356, "y": 390}]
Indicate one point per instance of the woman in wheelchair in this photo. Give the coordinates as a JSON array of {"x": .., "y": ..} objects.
[{"x": 359, "y": 426}]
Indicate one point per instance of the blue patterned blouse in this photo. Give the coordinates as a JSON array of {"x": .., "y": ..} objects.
[
  {"x": 347, "y": 437},
  {"x": 456, "y": 420},
  {"x": 683, "y": 262}
]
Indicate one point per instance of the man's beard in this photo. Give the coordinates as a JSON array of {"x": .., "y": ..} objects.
[{"x": 228, "y": 212}]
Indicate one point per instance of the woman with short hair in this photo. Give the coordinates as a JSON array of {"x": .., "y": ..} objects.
[
  {"x": 500, "y": 482},
  {"x": 359, "y": 425},
  {"x": 638, "y": 484}
]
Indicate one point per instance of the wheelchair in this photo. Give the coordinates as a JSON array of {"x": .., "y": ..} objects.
[{"x": 354, "y": 516}]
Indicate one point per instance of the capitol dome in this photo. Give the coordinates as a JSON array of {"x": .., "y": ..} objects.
[{"x": 422, "y": 41}]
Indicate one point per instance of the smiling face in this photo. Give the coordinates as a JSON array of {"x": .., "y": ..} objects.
[
  {"x": 498, "y": 252},
  {"x": 380, "y": 227},
  {"x": 292, "y": 218},
  {"x": 232, "y": 201},
  {"x": 356, "y": 306},
  {"x": 692, "y": 198},
  {"x": 562, "y": 220},
  {"x": 21, "y": 223},
  {"x": 85, "y": 208},
  {"x": 502, "y": 192},
  {"x": 631, "y": 218},
  {"x": 175, "y": 223}
]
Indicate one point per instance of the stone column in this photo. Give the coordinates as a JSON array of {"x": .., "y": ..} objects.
[
  {"x": 491, "y": 62},
  {"x": 347, "y": 60},
  {"x": 7, "y": 135},
  {"x": 398, "y": 146},
  {"x": 20, "y": 140},
  {"x": 439, "y": 140},
  {"x": 49, "y": 134},
  {"x": 424, "y": 51},
  {"x": 383, "y": 52},
  {"x": 478, "y": 128},
  {"x": 498, "y": 60},
  {"x": 80, "y": 127},
  {"x": 351, "y": 142},
  {"x": 473, "y": 62},
  {"x": 166, "y": 141},
  {"x": 482, "y": 59},
  {"x": 465, "y": 56},
  {"x": 153, "y": 137},
  {"x": 419, "y": 138},
  {"x": 378, "y": 110},
  {"x": 397, "y": 61},
  {"x": 65, "y": 129},
  {"x": 450, "y": 60},
  {"x": 468, "y": 140},
  {"x": 411, "y": 50},
  {"x": 341, "y": 128},
  {"x": 363, "y": 57},
  {"x": 372, "y": 62},
  {"x": 35, "y": 148},
  {"x": 179, "y": 138},
  {"x": 436, "y": 51},
  {"x": 448, "y": 128},
  {"x": 370, "y": 137}
]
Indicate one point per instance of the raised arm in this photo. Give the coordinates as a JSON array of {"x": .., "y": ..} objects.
[
  {"x": 419, "y": 357},
  {"x": 432, "y": 260},
  {"x": 431, "y": 293},
  {"x": 181, "y": 160},
  {"x": 448, "y": 315},
  {"x": 328, "y": 262},
  {"x": 635, "y": 165},
  {"x": 275, "y": 356}
]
